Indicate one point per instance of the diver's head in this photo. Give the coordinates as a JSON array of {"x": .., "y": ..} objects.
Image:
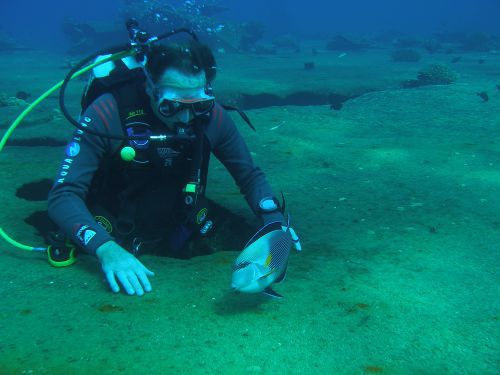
[{"x": 178, "y": 82}]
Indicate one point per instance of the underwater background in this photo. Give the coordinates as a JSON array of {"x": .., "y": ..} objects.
[{"x": 380, "y": 121}]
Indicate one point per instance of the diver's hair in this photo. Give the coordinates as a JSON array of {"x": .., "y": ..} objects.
[{"x": 189, "y": 58}]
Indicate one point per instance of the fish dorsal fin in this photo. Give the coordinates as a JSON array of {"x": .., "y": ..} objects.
[{"x": 263, "y": 231}]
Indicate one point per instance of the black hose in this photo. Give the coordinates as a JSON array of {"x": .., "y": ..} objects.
[
  {"x": 62, "y": 92},
  {"x": 111, "y": 51}
]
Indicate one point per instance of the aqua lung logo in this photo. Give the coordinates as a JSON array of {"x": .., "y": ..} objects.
[
  {"x": 64, "y": 170},
  {"x": 85, "y": 234},
  {"x": 72, "y": 150}
]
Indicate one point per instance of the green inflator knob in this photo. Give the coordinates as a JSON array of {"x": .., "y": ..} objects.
[{"x": 127, "y": 153}]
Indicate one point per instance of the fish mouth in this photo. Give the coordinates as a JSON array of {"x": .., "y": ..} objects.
[{"x": 235, "y": 288}]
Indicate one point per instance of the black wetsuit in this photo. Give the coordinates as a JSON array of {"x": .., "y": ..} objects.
[{"x": 93, "y": 173}]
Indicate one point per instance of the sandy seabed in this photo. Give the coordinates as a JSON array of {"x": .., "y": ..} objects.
[{"x": 395, "y": 198}]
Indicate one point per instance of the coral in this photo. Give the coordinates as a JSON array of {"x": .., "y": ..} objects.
[
  {"x": 434, "y": 74},
  {"x": 11, "y": 101},
  {"x": 437, "y": 74}
]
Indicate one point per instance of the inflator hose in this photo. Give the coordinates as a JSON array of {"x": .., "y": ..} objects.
[{"x": 20, "y": 118}]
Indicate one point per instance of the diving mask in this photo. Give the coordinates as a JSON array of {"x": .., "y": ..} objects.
[{"x": 174, "y": 100}]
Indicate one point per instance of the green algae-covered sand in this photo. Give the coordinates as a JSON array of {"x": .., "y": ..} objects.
[{"x": 395, "y": 198}]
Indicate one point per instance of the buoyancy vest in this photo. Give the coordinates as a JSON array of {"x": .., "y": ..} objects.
[{"x": 122, "y": 187}]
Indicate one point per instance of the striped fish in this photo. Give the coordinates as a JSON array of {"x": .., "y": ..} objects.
[{"x": 263, "y": 261}]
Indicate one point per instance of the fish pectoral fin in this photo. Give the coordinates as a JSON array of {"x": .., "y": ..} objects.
[{"x": 271, "y": 293}]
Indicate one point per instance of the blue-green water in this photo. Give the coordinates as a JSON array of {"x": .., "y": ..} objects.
[{"x": 394, "y": 196}]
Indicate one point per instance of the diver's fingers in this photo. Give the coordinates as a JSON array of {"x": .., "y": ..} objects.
[
  {"x": 110, "y": 276},
  {"x": 295, "y": 239},
  {"x": 134, "y": 281},
  {"x": 122, "y": 277},
  {"x": 143, "y": 278},
  {"x": 297, "y": 245},
  {"x": 293, "y": 234},
  {"x": 147, "y": 271}
]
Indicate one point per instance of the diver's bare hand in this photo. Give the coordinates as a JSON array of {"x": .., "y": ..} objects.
[{"x": 118, "y": 264}]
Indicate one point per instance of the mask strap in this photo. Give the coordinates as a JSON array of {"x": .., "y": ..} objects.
[{"x": 150, "y": 85}]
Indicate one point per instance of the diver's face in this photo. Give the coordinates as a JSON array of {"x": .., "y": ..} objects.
[{"x": 177, "y": 98}]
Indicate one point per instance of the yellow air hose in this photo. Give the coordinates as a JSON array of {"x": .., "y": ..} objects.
[{"x": 30, "y": 108}]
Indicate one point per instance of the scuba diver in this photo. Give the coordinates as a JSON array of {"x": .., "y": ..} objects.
[{"x": 116, "y": 197}]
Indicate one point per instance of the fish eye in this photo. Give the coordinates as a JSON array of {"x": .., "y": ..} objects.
[{"x": 240, "y": 266}]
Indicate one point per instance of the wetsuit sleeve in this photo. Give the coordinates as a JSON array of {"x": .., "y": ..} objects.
[
  {"x": 83, "y": 156},
  {"x": 230, "y": 148}
]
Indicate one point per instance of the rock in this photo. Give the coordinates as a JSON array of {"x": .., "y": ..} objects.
[{"x": 11, "y": 101}]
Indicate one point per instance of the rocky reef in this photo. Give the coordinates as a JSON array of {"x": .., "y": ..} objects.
[{"x": 434, "y": 74}]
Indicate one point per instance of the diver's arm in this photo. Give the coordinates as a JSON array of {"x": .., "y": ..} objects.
[
  {"x": 230, "y": 148},
  {"x": 68, "y": 197},
  {"x": 81, "y": 160}
]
